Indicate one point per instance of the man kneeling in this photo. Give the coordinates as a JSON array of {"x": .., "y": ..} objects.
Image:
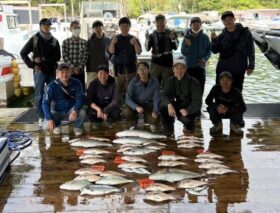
[
  {"x": 102, "y": 96},
  {"x": 228, "y": 103},
  {"x": 65, "y": 96}
]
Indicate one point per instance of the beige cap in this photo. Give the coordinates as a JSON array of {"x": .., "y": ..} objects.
[{"x": 179, "y": 61}]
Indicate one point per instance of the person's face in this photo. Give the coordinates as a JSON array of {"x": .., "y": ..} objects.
[
  {"x": 45, "y": 28},
  {"x": 124, "y": 28},
  {"x": 229, "y": 23},
  {"x": 179, "y": 71},
  {"x": 64, "y": 75},
  {"x": 196, "y": 26},
  {"x": 98, "y": 31},
  {"x": 142, "y": 71},
  {"x": 75, "y": 27},
  {"x": 103, "y": 76},
  {"x": 225, "y": 83},
  {"x": 160, "y": 25}
]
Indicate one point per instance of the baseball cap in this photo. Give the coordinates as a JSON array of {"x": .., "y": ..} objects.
[
  {"x": 225, "y": 74},
  {"x": 103, "y": 67},
  {"x": 45, "y": 21},
  {"x": 63, "y": 66},
  {"x": 179, "y": 61},
  {"x": 226, "y": 14},
  {"x": 195, "y": 20}
]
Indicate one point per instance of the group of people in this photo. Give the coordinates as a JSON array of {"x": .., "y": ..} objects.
[{"x": 163, "y": 90}]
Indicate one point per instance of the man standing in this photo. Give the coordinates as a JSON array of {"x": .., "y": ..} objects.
[
  {"x": 98, "y": 45},
  {"x": 236, "y": 47},
  {"x": 162, "y": 41},
  {"x": 75, "y": 52},
  {"x": 66, "y": 97},
  {"x": 196, "y": 48},
  {"x": 46, "y": 53},
  {"x": 143, "y": 96},
  {"x": 125, "y": 47},
  {"x": 181, "y": 98}
]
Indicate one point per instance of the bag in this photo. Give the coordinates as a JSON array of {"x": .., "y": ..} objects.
[{"x": 4, "y": 157}]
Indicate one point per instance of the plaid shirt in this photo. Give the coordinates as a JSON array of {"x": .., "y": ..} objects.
[{"x": 75, "y": 52}]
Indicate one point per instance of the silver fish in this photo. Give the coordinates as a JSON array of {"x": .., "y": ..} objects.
[
  {"x": 159, "y": 187},
  {"x": 172, "y": 157},
  {"x": 189, "y": 184},
  {"x": 130, "y": 145},
  {"x": 189, "y": 145},
  {"x": 219, "y": 171},
  {"x": 90, "y": 144},
  {"x": 113, "y": 180},
  {"x": 131, "y": 165},
  {"x": 173, "y": 175},
  {"x": 189, "y": 138},
  {"x": 88, "y": 171},
  {"x": 153, "y": 143},
  {"x": 74, "y": 185},
  {"x": 133, "y": 159},
  {"x": 98, "y": 139},
  {"x": 140, "y": 134},
  {"x": 207, "y": 160},
  {"x": 96, "y": 151},
  {"x": 154, "y": 147},
  {"x": 212, "y": 166},
  {"x": 189, "y": 141},
  {"x": 99, "y": 190},
  {"x": 209, "y": 155},
  {"x": 171, "y": 163},
  {"x": 89, "y": 178},
  {"x": 89, "y": 156},
  {"x": 198, "y": 191},
  {"x": 138, "y": 151},
  {"x": 136, "y": 170},
  {"x": 111, "y": 173},
  {"x": 130, "y": 140},
  {"x": 159, "y": 196},
  {"x": 92, "y": 161}
]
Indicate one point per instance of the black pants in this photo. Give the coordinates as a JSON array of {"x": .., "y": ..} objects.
[
  {"x": 113, "y": 116},
  {"x": 199, "y": 74},
  {"x": 81, "y": 78},
  {"x": 234, "y": 116},
  {"x": 238, "y": 80},
  {"x": 168, "y": 121}
]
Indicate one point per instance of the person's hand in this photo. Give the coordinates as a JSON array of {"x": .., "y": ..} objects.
[
  {"x": 213, "y": 35},
  {"x": 249, "y": 71},
  {"x": 171, "y": 110},
  {"x": 114, "y": 40},
  {"x": 133, "y": 40},
  {"x": 73, "y": 116},
  {"x": 99, "y": 113},
  {"x": 105, "y": 116},
  {"x": 37, "y": 60},
  {"x": 172, "y": 35},
  {"x": 222, "y": 109},
  {"x": 188, "y": 42},
  {"x": 139, "y": 109},
  {"x": 184, "y": 112},
  {"x": 50, "y": 125},
  {"x": 154, "y": 115}
]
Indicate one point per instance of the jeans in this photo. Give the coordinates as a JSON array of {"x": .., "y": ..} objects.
[
  {"x": 57, "y": 117},
  {"x": 40, "y": 79}
]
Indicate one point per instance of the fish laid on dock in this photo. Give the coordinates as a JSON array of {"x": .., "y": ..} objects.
[
  {"x": 89, "y": 178},
  {"x": 99, "y": 190},
  {"x": 140, "y": 134},
  {"x": 96, "y": 151},
  {"x": 91, "y": 161},
  {"x": 171, "y": 163},
  {"x": 113, "y": 180},
  {"x": 88, "y": 171},
  {"x": 136, "y": 170},
  {"x": 138, "y": 151},
  {"x": 74, "y": 185},
  {"x": 133, "y": 159},
  {"x": 90, "y": 143},
  {"x": 98, "y": 139},
  {"x": 207, "y": 160},
  {"x": 173, "y": 175},
  {"x": 219, "y": 171},
  {"x": 189, "y": 145},
  {"x": 131, "y": 165},
  {"x": 130, "y": 140},
  {"x": 189, "y": 184},
  {"x": 212, "y": 166},
  {"x": 209, "y": 155},
  {"x": 172, "y": 157},
  {"x": 159, "y": 187},
  {"x": 159, "y": 196}
]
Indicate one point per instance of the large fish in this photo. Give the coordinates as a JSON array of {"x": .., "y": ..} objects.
[
  {"x": 172, "y": 157},
  {"x": 131, "y": 165},
  {"x": 219, "y": 171},
  {"x": 159, "y": 196},
  {"x": 99, "y": 190},
  {"x": 212, "y": 166},
  {"x": 133, "y": 159},
  {"x": 89, "y": 178},
  {"x": 189, "y": 141},
  {"x": 189, "y": 145},
  {"x": 90, "y": 144},
  {"x": 89, "y": 156},
  {"x": 138, "y": 151},
  {"x": 159, "y": 187},
  {"x": 140, "y": 134},
  {"x": 111, "y": 173},
  {"x": 98, "y": 139},
  {"x": 136, "y": 170},
  {"x": 171, "y": 163},
  {"x": 130, "y": 140},
  {"x": 153, "y": 143},
  {"x": 209, "y": 155},
  {"x": 173, "y": 175},
  {"x": 92, "y": 161},
  {"x": 96, "y": 151},
  {"x": 207, "y": 160},
  {"x": 74, "y": 185},
  {"x": 154, "y": 147},
  {"x": 88, "y": 171},
  {"x": 113, "y": 180},
  {"x": 190, "y": 184}
]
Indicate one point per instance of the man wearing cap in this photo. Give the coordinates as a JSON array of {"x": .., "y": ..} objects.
[
  {"x": 196, "y": 48},
  {"x": 102, "y": 98},
  {"x": 181, "y": 98},
  {"x": 46, "y": 53},
  {"x": 143, "y": 97},
  {"x": 75, "y": 52},
  {"x": 64, "y": 98},
  {"x": 225, "y": 101},
  {"x": 162, "y": 42},
  {"x": 236, "y": 48},
  {"x": 98, "y": 45}
]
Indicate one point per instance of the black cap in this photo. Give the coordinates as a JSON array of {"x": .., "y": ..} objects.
[
  {"x": 63, "y": 66},
  {"x": 45, "y": 21},
  {"x": 226, "y": 14},
  {"x": 160, "y": 17},
  {"x": 195, "y": 20},
  {"x": 103, "y": 67},
  {"x": 225, "y": 74}
]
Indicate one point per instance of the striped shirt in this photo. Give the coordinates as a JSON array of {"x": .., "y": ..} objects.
[{"x": 75, "y": 52}]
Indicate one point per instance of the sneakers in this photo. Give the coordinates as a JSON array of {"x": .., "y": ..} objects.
[
  {"x": 40, "y": 122},
  {"x": 57, "y": 130},
  {"x": 236, "y": 129},
  {"x": 217, "y": 128},
  {"x": 78, "y": 131},
  {"x": 153, "y": 128},
  {"x": 95, "y": 125}
]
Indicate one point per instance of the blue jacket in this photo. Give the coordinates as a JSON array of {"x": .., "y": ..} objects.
[
  {"x": 60, "y": 102},
  {"x": 200, "y": 48},
  {"x": 139, "y": 93}
]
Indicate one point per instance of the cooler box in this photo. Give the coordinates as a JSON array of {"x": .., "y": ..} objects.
[
  {"x": 5, "y": 65},
  {"x": 4, "y": 156}
]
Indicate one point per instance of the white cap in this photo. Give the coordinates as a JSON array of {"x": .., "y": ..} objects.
[{"x": 179, "y": 61}]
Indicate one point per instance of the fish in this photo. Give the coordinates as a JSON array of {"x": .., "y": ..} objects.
[
  {"x": 189, "y": 145},
  {"x": 207, "y": 160},
  {"x": 138, "y": 151},
  {"x": 172, "y": 157},
  {"x": 189, "y": 141},
  {"x": 189, "y": 184},
  {"x": 89, "y": 178},
  {"x": 212, "y": 166},
  {"x": 153, "y": 143},
  {"x": 133, "y": 159},
  {"x": 131, "y": 165},
  {"x": 136, "y": 170},
  {"x": 90, "y": 143},
  {"x": 92, "y": 161},
  {"x": 209, "y": 155},
  {"x": 154, "y": 147},
  {"x": 171, "y": 163},
  {"x": 130, "y": 145},
  {"x": 98, "y": 139},
  {"x": 173, "y": 175},
  {"x": 159, "y": 196},
  {"x": 219, "y": 171},
  {"x": 74, "y": 185},
  {"x": 181, "y": 137},
  {"x": 130, "y": 140},
  {"x": 88, "y": 171},
  {"x": 197, "y": 191},
  {"x": 159, "y": 187},
  {"x": 113, "y": 180},
  {"x": 111, "y": 173},
  {"x": 140, "y": 134},
  {"x": 74, "y": 140},
  {"x": 89, "y": 156},
  {"x": 96, "y": 151},
  {"x": 124, "y": 149},
  {"x": 100, "y": 190}
]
